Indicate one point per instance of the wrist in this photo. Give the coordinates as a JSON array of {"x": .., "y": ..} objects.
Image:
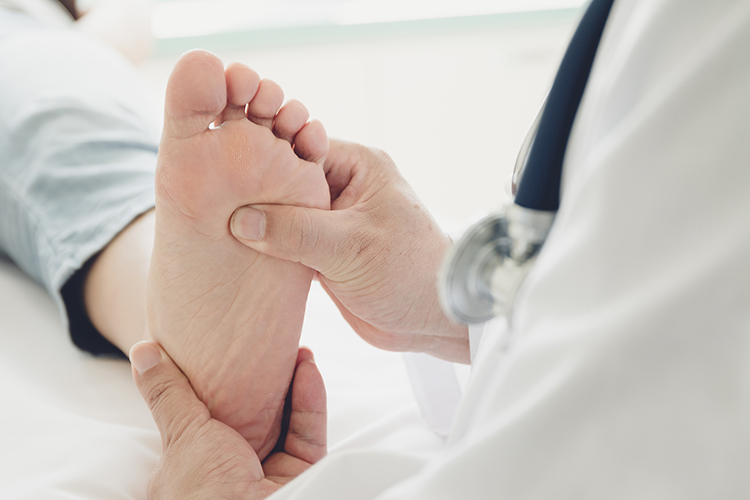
[
  {"x": 449, "y": 341},
  {"x": 444, "y": 337}
]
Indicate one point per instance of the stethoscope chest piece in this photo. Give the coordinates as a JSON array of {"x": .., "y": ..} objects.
[
  {"x": 483, "y": 270},
  {"x": 465, "y": 278}
]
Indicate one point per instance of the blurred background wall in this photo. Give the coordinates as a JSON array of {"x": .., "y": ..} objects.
[{"x": 447, "y": 88}]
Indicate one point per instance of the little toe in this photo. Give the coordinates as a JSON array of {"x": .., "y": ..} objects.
[
  {"x": 242, "y": 85},
  {"x": 196, "y": 94},
  {"x": 265, "y": 104},
  {"x": 290, "y": 119},
  {"x": 311, "y": 142}
]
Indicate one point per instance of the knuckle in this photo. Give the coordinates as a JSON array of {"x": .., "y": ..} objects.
[
  {"x": 309, "y": 440},
  {"x": 354, "y": 248},
  {"x": 383, "y": 157},
  {"x": 158, "y": 395}
]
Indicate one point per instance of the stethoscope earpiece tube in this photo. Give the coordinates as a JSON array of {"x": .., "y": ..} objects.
[
  {"x": 540, "y": 188},
  {"x": 482, "y": 272}
]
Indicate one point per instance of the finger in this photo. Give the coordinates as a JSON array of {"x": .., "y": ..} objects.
[
  {"x": 304, "y": 353},
  {"x": 282, "y": 467},
  {"x": 319, "y": 239},
  {"x": 306, "y": 438},
  {"x": 350, "y": 168},
  {"x": 166, "y": 390}
]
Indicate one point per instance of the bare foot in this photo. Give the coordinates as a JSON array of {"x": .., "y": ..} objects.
[{"x": 229, "y": 316}]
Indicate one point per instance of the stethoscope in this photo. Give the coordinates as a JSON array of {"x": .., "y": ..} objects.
[{"x": 483, "y": 271}]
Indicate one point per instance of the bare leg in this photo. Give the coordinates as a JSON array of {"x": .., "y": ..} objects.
[{"x": 115, "y": 288}]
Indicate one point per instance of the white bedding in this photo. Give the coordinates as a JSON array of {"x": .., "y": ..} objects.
[{"x": 73, "y": 426}]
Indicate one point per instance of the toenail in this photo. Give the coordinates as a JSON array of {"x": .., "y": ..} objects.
[
  {"x": 249, "y": 224},
  {"x": 144, "y": 356}
]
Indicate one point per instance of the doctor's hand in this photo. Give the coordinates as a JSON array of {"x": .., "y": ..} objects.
[
  {"x": 377, "y": 252},
  {"x": 202, "y": 457}
]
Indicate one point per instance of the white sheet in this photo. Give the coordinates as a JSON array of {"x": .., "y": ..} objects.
[{"x": 73, "y": 426}]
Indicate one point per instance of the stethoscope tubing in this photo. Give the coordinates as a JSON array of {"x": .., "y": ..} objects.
[
  {"x": 482, "y": 272},
  {"x": 539, "y": 188}
]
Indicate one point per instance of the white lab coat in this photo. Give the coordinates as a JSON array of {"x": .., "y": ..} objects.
[{"x": 626, "y": 373}]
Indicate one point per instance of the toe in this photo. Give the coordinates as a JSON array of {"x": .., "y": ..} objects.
[
  {"x": 311, "y": 142},
  {"x": 242, "y": 85},
  {"x": 265, "y": 104},
  {"x": 290, "y": 119},
  {"x": 196, "y": 94}
]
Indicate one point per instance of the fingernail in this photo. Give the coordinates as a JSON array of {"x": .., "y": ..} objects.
[
  {"x": 249, "y": 224},
  {"x": 144, "y": 356}
]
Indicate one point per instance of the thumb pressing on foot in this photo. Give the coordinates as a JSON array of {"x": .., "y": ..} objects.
[
  {"x": 166, "y": 390},
  {"x": 316, "y": 238}
]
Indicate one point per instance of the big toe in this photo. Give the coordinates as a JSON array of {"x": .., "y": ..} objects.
[{"x": 196, "y": 94}]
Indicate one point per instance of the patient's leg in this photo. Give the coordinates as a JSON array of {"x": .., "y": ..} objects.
[
  {"x": 230, "y": 317},
  {"x": 81, "y": 120},
  {"x": 115, "y": 287},
  {"x": 77, "y": 158}
]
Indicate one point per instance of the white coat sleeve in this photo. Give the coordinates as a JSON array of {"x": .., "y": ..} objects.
[{"x": 629, "y": 371}]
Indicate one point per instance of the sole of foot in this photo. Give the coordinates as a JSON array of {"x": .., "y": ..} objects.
[{"x": 231, "y": 317}]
